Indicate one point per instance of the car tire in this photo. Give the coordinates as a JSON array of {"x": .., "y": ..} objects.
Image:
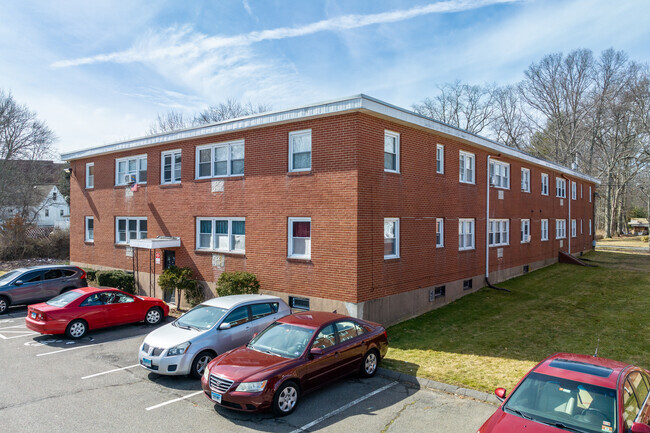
[
  {"x": 153, "y": 316},
  {"x": 286, "y": 398},
  {"x": 370, "y": 363},
  {"x": 76, "y": 329},
  {"x": 200, "y": 362},
  {"x": 4, "y": 304}
]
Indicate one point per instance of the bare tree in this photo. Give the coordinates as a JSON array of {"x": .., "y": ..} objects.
[
  {"x": 170, "y": 121},
  {"x": 510, "y": 125}
]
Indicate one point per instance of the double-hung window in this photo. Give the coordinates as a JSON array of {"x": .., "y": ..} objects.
[
  {"x": 220, "y": 160},
  {"x": 544, "y": 184},
  {"x": 300, "y": 150},
  {"x": 574, "y": 190},
  {"x": 130, "y": 228},
  {"x": 440, "y": 232},
  {"x": 544, "y": 230},
  {"x": 90, "y": 229},
  {"x": 500, "y": 174},
  {"x": 589, "y": 226},
  {"x": 299, "y": 238},
  {"x": 581, "y": 227},
  {"x": 560, "y": 187},
  {"x": 440, "y": 158},
  {"x": 525, "y": 180},
  {"x": 391, "y": 238},
  {"x": 589, "y": 194},
  {"x": 131, "y": 170},
  {"x": 171, "y": 167},
  {"x": 580, "y": 191},
  {"x": 525, "y": 230},
  {"x": 465, "y": 234},
  {"x": 573, "y": 228},
  {"x": 90, "y": 175},
  {"x": 499, "y": 232},
  {"x": 560, "y": 229},
  {"x": 391, "y": 151},
  {"x": 221, "y": 234},
  {"x": 466, "y": 167}
]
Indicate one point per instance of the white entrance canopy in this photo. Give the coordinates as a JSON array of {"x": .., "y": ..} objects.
[{"x": 160, "y": 242}]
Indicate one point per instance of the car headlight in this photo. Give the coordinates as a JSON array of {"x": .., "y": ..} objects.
[
  {"x": 252, "y": 386},
  {"x": 178, "y": 350},
  {"x": 206, "y": 373}
]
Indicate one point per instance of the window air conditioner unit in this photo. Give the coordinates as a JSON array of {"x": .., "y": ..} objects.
[{"x": 129, "y": 178}]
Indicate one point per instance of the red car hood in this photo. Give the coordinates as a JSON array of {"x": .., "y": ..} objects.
[
  {"x": 501, "y": 422},
  {"x": 244, "y": 364}
]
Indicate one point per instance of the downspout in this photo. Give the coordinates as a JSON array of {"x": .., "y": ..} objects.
[
  {"x": 487, "y": 230},
  {"x": 569, "y": 194}
]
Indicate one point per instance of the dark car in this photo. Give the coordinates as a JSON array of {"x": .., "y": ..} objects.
[
  {"x": 575, "y": 393},
  {"x": 294, "y": 355},
  {"x": 39, "y": 283}
]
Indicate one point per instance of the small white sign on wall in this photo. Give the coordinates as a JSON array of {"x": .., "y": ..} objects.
[
  {"x": 128, "y": 193},
  {"x": 561, "y": 243},
  {"x": 499, "y": 253},
  {"x": 561, "y": 202},
  {"x": 129, "y": 252},
  {"x": 217, "y": 186},
  {"x": 218, "y": 260},
  {"x": 500, "y": 195}
]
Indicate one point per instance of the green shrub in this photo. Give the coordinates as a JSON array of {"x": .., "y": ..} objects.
[
  {"x": 237, "y": 283},
  {"x": 91, "y": 275},
  {"x": 180, "y": 280},
  {"x": 194, "y": 294},
  {"x": 645, "y": 239},
  {"x": 118, "y": 279}
]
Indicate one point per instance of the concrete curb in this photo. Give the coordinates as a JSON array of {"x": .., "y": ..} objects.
[{"x": 438, "y": 386}]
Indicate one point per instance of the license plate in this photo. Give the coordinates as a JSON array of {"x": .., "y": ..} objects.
[
  {"x": 33, "y": 315},
  {"x": 146, "y": 362},
  {"x": 216, "y": 397}
]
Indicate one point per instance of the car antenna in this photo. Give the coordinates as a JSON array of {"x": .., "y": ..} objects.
[{"x": 597, "y": 343}]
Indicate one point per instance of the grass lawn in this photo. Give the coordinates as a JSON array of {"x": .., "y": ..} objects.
[
  {"x": 492, "y": 338},
  {"x": 632, "y": 241}
]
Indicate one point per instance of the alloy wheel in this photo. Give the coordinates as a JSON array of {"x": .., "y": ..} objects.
[
  {"x": 3, "y": 305},
  {"x": 201, "y": 363},
  {"x": 153, "y": 316},
  {"x": 371, "y": 363},
  {"x": 77, "y": 329},
  {"x": 287, "y": 399}
]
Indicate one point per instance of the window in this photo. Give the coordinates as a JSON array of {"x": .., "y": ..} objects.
[
  {"x": 54, "y": 196},
  {"x": 465, "y": 234},
  {"x": 262, "y": 310},
  {"x": 239, "y": 316},
  {"x": 47, "y": 212},
  {"x": 574, "y": 189},
  {"x": 440, "y": 232},
  {"x": 525, "y": 231},
  {"x": 221, "y": 234},
  {"x": 580, "y": 191},
  {"x": 391, "y": 238},
  {"x": 391, "y": 151},
  {"x": 171, "y": 167},
  {"x": 347, "y": 330},
  {"x": 560, "y": 187},
  {"x": 299, "y": 303},
  {"x": 573, "y": 228},
  {"x": 544, "y": 184},
  {"x": 90, "y": 175},
  {"x": 544, "y": 230},
  {"x": 581, "y": 232},
  {"x": 52, "y": 274},
  {"x": 300, "y": 238},
  {"x": 560, "y": 229},
  {"x": 61, "y": 212},
  {"x": 525, "y": 180},
  {"x": 466, "y": 167},
  {"x": 439, "y": 292},
  {"x": 500, "y": 174},
  {"x": 326, "y": 338},
  {"x": 220, "y": 160},
  {"x": 92, "y": 300},
  {"x": 590, "y": 227},
  {"x": 467, "y": 284},
  {"x": 499, "y": 232},
  {"x": 300, "y": 150},
  {"x": 589, "y": 194},
  {"x": 128, "y": 229},
  {"x": 440, "y": 159},
  {"x": 131, "y": 170}
]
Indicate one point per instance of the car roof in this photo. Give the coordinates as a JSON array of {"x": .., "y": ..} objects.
[
  {"x": 583, "y": 368},
  {"x": 312, "y": 319},
  {"x": 94, "y": 289},
  {"x": 36, "y": 268},
  {"x": 231, "y": 301}
]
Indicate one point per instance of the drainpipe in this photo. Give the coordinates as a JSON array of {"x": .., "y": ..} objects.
[{"x": 487, "y": 231}]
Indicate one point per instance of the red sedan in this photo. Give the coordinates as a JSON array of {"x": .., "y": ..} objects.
[
  {"x": 77, "y": 311},
  {"x": 576, "y": 393},
  {"x": 294, "y": 355}
]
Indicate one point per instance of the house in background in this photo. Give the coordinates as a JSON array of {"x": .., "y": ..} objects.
[
  {"x": 638, "y": 226},
  {"x": 52, "y": 209}
]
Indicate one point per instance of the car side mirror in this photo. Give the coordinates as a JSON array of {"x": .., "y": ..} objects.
[
  {"x": 18, "y": 283},
  {"x": 316, "y": 351},
  {"x": 638, "y": 427},
  {"x": 500, "y": 393},
  {"x": 224, "y": 326}
]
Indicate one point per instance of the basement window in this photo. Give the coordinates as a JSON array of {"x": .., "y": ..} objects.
[
  {"x": 301, "y": 304},
  {"x": 467, "y": 284},
  {"x": 437, "y": 292}
]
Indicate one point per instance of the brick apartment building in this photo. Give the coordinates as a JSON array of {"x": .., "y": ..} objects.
[{"x": 352, "y": 205}]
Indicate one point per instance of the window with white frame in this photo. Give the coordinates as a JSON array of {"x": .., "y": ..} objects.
[
  {"x": 465, "y": 234},
  {"x": 544, "y": 184},
  {"x": 90, "y": 175},
  {"x": 525, "y": 230},
  {"x": 589, "y": 194},
  {"x": 580, "y": 191},
  {"x": 440, "y": 232},
  {"x": 130, "y": 228},
  {"x": 560, "y": 187},
  {"x": 560, "y": 229},
  {"x": 131, "y": 170},
  {"x": 170, "y": 170},
  {"x": 499, "y": 232},
  {"x": 573, "y": 228},
  {"x": 220, "y": 160},
  {"x": 581, "y": 232},
  {"x": 574, "y": 191},
  {"x": 440, "y": 158},
  {"x": 544, "y": 230},
  {"x": 466, "y": 167},
  {"x": 300, "y": 150},
  {"x": 391, "y": 151},
  {"x": 525, "y": 180},
  {"x": 590, "y": 227},
  {"x": 300, "y": 238},
  {"x": 90, "y": 229},
  {"x": 391, "y": 238},
  {"x": 221, "y": 234},
  {"x": 500, "y": 174}
]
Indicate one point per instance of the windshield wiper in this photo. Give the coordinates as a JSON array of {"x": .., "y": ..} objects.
[
  {"x": 520, "y": 413},
  {"x": 563, "y": 426}
]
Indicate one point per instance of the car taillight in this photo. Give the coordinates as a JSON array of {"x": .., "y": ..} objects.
[
  {"x": 83, "y": 273},
  {"x": 42, "y": 316}
]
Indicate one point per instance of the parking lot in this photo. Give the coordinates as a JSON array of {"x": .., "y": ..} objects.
[{"x": 52, "y": 383}]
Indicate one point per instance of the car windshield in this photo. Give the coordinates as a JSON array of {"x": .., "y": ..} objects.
[
  {"x": 566, "y": 404},
  {"x": 64, "y": 299},
  {"x": 201, "y": 317},
  {"x": 4, "y": 279},
  {"x": 287, "y": 341}
]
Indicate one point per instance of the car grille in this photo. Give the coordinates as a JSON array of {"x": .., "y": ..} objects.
[
  {"x": 220, "y": 384},
  {"x": 151, "y": 351}
]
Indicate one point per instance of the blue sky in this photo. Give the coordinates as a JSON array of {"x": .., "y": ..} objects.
[{"x": 100, "y": 71}]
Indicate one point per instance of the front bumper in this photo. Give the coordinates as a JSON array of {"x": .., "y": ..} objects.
[
  {"x": 241, "y": 401},
  {"x": 167, "y": 365}
]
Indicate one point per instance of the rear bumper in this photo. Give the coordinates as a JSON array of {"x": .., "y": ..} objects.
[{"x": 44, "y": 327}]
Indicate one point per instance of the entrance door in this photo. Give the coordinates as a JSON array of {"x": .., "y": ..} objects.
[{"x": 169, "y": 260}]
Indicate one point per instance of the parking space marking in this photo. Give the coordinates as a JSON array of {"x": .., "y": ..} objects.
[
  {"x": 65, "y": 350},
  {"x": 343, "y": 408},
  {"x": 110, "y": 371},
  {"x": 174, "y": 400},
  {"x": 9, "y": 332}
]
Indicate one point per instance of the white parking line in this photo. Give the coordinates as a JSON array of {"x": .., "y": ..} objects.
[
  {"x": 174, "y": 400},
  {"x": 343, "y": 408},
  {"x": 110, "y": 371},
  {"x": 21, "y": 330},
  {"x": 65, "y": 350}
]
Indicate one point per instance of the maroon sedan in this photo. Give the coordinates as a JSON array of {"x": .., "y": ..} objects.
[
  {"x": 294, "y": 355},
  {"x": 575, "y": 393},
  {"x": 77, "y": 311}
]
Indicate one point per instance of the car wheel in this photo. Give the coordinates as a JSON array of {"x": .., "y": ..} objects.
[
  {"x": 200, "y": 362},
  {"x": 154, "y": 316},
  {"x": 76, "y": 329},
  {"x": 286, "y": 398},
  {"x": 4, "y": 304},
  {"x": 369, "y": 363}
]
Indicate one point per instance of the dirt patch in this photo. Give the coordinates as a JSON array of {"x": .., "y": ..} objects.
[{"x": 25, "y": 263}]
